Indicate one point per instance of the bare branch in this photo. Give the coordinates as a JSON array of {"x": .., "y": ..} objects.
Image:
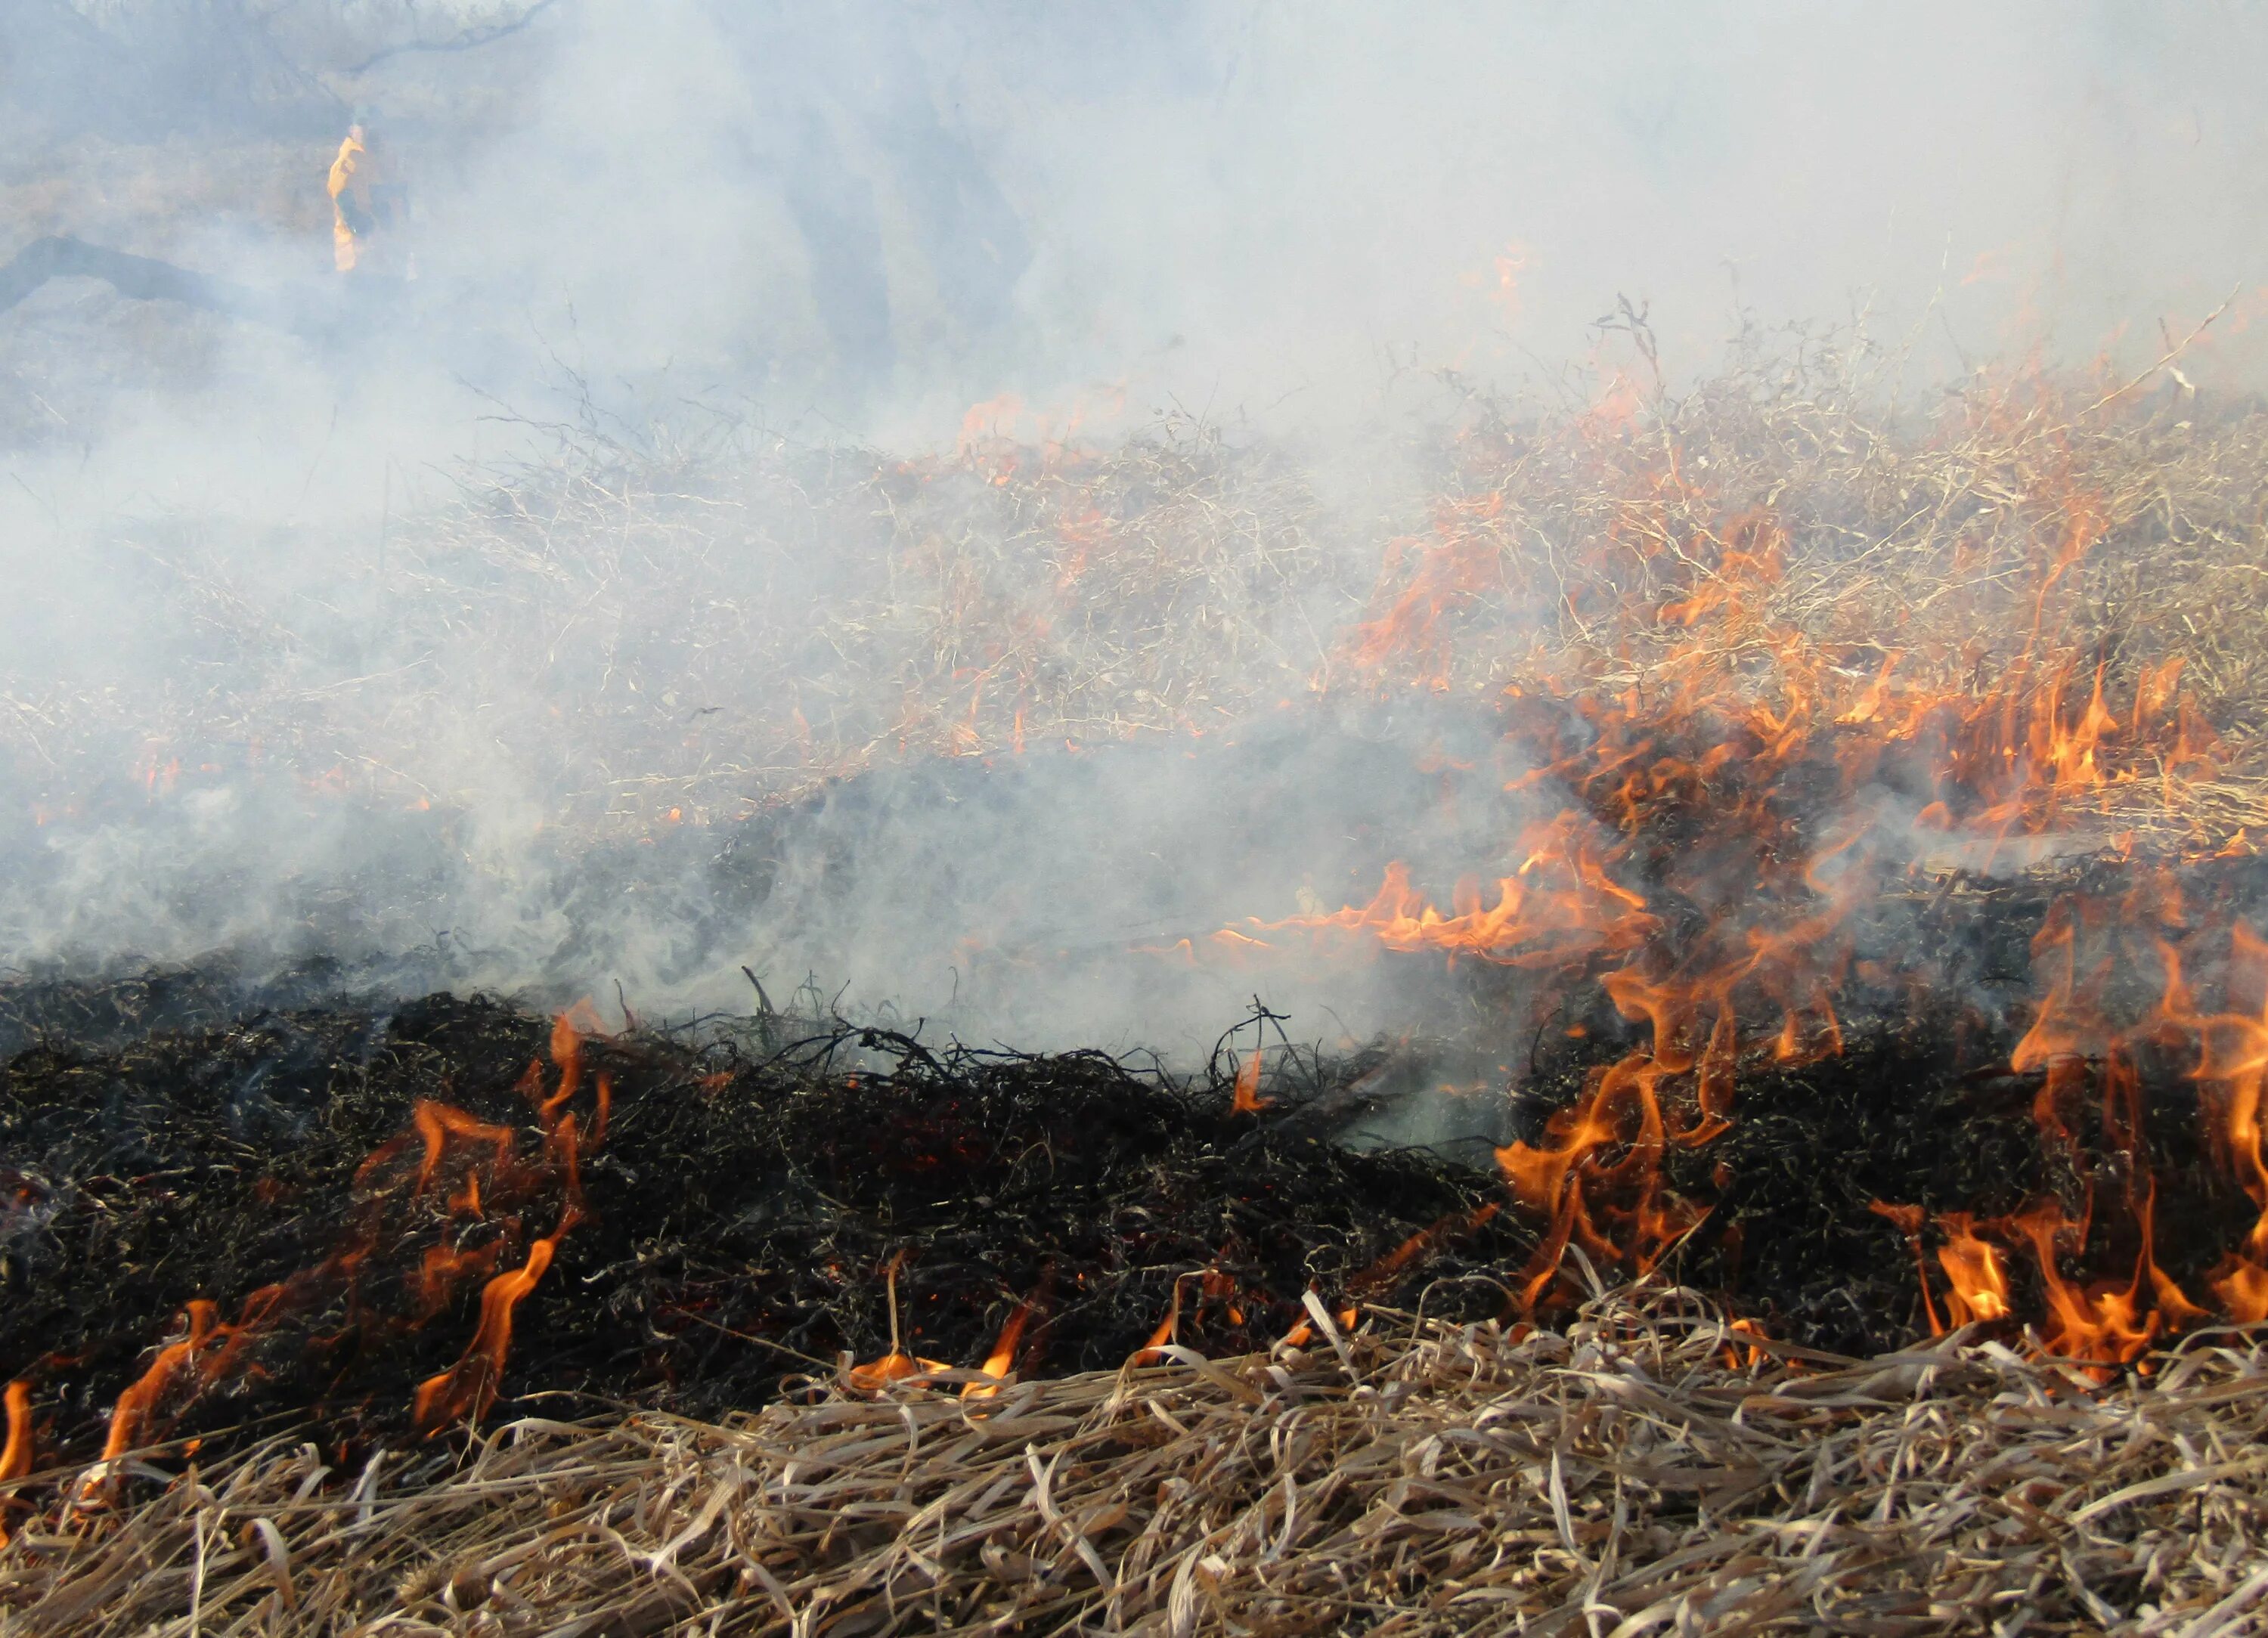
[{"x": 487, "y": 33}]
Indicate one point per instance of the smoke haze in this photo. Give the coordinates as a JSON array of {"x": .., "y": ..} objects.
[{"x": 716, "y": 242}]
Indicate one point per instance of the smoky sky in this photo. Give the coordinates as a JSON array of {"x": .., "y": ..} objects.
[
  {"x": 886, "y": 210},
  {"x": 928, "y": 204}
]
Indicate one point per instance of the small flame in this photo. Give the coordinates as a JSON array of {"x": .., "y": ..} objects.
[
  {"x": 1002, "y": 1359},
  {"x": 465, "y": 1390},
  {"x": 1247, "y": 1100},
  {"x": 1979, "y": 1284},
  {"x": 1381, "y": 1275},
  {"x": 1168, "y": 1332},
  {"x": 131, "y": 1416},
  {"x": 897, "y": 1364},
  {"x": 15, "y": 1458},
  {"x": 469, "y": 1166},
  {"x": 1908, "y": 1221}
]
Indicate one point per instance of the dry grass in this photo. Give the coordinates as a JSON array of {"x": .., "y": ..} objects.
[
  {"x": 706, "y": 622},
  {"x": 636, "y": 631},
  {"x": 705, "y": 627},
  {"x": 1647, "y": 1470},
  {"x": 1778, "y": 530}
]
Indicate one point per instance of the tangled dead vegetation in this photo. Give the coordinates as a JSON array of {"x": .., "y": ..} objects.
[
  {"x": 704, "y": 619},
  {"x": 1777, "y": 534},
  {"x": 1650, "y": 1469}
]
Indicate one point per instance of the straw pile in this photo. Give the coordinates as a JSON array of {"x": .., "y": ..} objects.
[{"x": 1648, "y": 1469}]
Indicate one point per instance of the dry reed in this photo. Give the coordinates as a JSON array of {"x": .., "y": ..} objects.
[{"x": 1648, "y": 1469}]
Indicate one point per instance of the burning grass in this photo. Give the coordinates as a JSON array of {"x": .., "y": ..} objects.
[
  {"x": 396, "y": 1222},
  {"x": 1648, "y": 1467},
  {"x": 702, "y": 619},
  {"x": 1876, "y": 954},
  {"x": 374, "y": 1218}
]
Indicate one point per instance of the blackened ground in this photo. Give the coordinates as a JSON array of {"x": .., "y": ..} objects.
[
  {"x": 1920, "y": 1108},
  {"x": 744, "y": 1210},
  {"x": 756, "y": 1186}
]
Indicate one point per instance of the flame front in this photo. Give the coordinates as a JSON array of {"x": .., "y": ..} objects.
[
  {"x": 464, "y": 1392},
  {"x": 1739, "y": 774}
]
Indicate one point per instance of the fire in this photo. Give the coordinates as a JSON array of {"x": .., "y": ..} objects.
[
  {"x": 1214, "y": 1285},
  {"x": 137, "y": 1403},
  {"x": 1722, "y": 760},
  {"x": 1247, "y": 1099},
  {"x": 1168, "y": 1330},
  {"x": 2088, "y": 1070},
  {"x": 448, "y": 1171},
  {"x": 1002, "y": 1359},
  {"x": 444, "y": 1270},
  {"x": 16, "y": 1457},
  {"x": 1457, "y": 568},
  {"x": 897, "y": 1365},
  {"x": 465, "y": 1390},
  {"x": 436, "y": 1123},
  {"x": 1383, "y": 1273},
  {"x": 1559, "y": 907},
  {"x": 2096, "y": 1320},
  {"x": 1977, "y": 1285}
]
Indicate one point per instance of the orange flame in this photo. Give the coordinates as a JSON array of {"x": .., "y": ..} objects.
[
  {"x": 137, "y": 1404},
  {"x": 1978, "y": 1284},
  {"x": 469, "y": 1164},
  {"x": 1002, "y": 1359},
  {"x": 897, "y": 1364},
  {"x": 1168, "y": 1332},
  {"x": 1383, "y": 1273},
  {"x": 1247, "y": 1100},
  {"x": 465, "y": 1390},
  {"x": 1908, "y": 1222},
  {"x": 15, "y": 1458}
]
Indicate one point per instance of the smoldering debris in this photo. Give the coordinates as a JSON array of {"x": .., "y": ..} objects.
[
  {"x": 305, "y": 1217},
  {"x": 740, "y": 1212},
  {"x": 890, "y": 884}
]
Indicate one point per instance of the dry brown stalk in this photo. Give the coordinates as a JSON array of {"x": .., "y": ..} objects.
[{"x": 1650, "y": 1469}]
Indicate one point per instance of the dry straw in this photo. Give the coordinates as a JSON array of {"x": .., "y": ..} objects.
[
  {"x": 1650, "y": 1468},
  {"x": 705, "y": 623}
]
